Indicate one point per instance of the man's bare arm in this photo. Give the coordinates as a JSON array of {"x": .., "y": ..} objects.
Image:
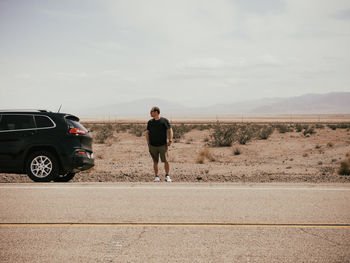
[
  {"x": 147, "y": 136},
  {"x": 171, "y": 134}
]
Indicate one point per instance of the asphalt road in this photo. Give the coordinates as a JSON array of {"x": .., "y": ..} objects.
[{"x": 114, "y": 222}]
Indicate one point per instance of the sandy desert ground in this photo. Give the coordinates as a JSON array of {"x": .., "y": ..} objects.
[{"x": 283, "y": 157}]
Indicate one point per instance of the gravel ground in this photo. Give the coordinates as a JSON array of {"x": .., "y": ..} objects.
[{"x": 283, "y": 157}]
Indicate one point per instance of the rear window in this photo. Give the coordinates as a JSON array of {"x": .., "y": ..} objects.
[
  {"x": 75, "y": 124},
  {"x": 43, "y": 122},
  {"x": 16, "y": 122}
]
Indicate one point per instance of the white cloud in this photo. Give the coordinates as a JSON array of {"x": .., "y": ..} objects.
[
  {"x": 223, "y": 50},
  {"x": 202, "y": 63},
  {"x": 270, "y": 60},
  {"x": 343, "y": 14},
  {"x": 69, "y": 75},
  {"x": 22, "y": 76}
]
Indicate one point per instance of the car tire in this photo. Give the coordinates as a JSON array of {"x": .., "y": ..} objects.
[
  {"x": 64, "y": 178},
  {"x": 42, "y": 166}
]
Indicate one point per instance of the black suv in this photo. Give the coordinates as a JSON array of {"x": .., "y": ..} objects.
[{"x": 45, "y": 145}]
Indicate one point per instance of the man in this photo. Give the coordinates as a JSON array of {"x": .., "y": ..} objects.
[{"x": 156, "y": 137}]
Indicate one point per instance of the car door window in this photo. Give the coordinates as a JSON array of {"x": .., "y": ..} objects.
[
  {"x": 16, "y": 122},
  {"x": 43, "y": 122}
]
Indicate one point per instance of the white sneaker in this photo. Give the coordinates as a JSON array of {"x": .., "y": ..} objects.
[
  {"x": 168, "y": 179},
  {"x": 156, "y": 179}
]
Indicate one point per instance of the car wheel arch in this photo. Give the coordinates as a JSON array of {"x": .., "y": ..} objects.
[{"x": 38, "y": 148}]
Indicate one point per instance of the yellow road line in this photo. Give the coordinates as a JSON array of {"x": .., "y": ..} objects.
[{"x": 170, "y": 224}]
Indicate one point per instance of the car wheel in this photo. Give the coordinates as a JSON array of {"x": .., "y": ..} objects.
[
  {"x": 42, "y": 166},
  {"x": 64, "y": 178}
]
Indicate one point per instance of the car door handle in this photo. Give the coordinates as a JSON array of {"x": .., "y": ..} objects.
[
  {"x": 33, "y": 132},
  {"x": 28, "y": 133}
]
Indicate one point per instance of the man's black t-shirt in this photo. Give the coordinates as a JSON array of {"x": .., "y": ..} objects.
[{"x": 158, "y": 131}]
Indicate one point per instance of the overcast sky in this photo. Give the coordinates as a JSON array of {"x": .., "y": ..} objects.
[{"x": 82, "y": 53}]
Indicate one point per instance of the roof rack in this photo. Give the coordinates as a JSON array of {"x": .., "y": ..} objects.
[{"x": 19, "y": 110}]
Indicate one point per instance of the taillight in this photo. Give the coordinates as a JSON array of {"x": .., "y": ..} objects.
[
  {"x": 80, "y": 152},
  {"x": 77, "y": 131}
]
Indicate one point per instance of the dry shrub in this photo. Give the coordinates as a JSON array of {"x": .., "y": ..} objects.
[
  {"x": 179, "y": 130},
  {"x": 205, "y": 154},
  {"x": 103, "y": 133},
  {"x": 282, "y": 128},
  {"x": 203, "y": 127},
  {"x": 200, "y": 159},
  {"x": 237, "y": 151},
  {"x": 309, "y": 131},
  {"x": 264, "y": 132},
  {"x": 223, "y": 135},
  {"x": 137, "y": 129},
  {"x": 298, "y": 127},
  {"x": 245, "y": 133},
  {"x": 227, "y": 134},
  {"x": 343, "y": 125},
  {"x": 319, "y": 126},
  {"x": 332, "y": 126},
  {"x": 122, "y": 127},
  {"x": 345, "y": 166},
  {"x": 339, "y": 125}
]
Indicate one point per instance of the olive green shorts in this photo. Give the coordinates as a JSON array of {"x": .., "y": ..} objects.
[{"x": 157, "y": 151}]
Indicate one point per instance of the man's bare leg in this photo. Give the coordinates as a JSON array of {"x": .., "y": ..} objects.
[
  {"x": 155, "y": 167},
  {"x": 167, "y": 167}
]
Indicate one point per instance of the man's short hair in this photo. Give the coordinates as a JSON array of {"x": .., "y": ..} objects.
[{"x": 156, "y": 109}]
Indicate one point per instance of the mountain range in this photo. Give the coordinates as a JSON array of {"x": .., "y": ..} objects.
[{"x": 329, "y": 103}]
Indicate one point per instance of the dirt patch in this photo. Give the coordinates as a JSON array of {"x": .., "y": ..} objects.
[{"x": 283, "y": 157}]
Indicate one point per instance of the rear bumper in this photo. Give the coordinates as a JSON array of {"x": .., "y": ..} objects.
[
  {"x": 82, "y": 164},
  {"x": 78, "y": 162}
]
